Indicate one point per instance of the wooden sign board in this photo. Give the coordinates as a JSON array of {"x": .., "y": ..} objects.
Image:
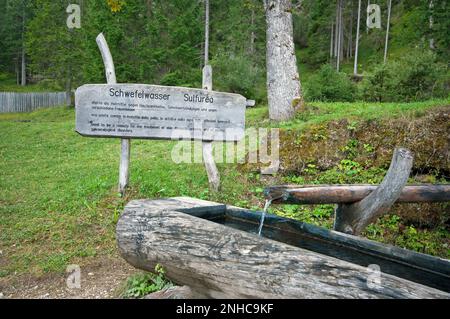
[{"x": 159, "y": 112}]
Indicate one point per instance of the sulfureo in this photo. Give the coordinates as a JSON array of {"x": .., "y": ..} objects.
[{"x": 198, "y": 98}]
